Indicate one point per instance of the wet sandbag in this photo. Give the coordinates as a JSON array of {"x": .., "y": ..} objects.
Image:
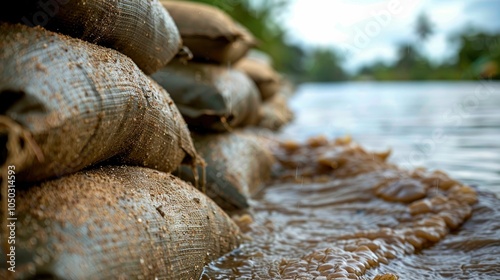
[
  {"x": 275, "y": 113},
  {"x": 211, "y": 97},
  {"x": 68, "y": 104},
  {"x": 237, "y": 166},
  {"x": 265, "y": 77},
  {"x": 118, "y": 222},
  {"x": 140, "y": 29},
  {"x": 210, "y": 33}
]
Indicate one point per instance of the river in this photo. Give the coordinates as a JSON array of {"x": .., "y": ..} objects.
[{"x": 454, "y": 127}]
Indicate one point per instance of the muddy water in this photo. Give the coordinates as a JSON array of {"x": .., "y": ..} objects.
[{"x": 336, "y": 211}]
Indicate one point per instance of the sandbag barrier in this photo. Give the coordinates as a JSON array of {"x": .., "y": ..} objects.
[
  {"x": 140, "y": 29},
  {"x": 206, "y": 93},
  {"x": 114, "y": 222},
  {"x": 68, "y": 104},
  {"x": 71, "y": 105}
]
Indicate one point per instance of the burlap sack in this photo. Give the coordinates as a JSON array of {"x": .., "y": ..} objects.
[
  {"x": 67, "y": 104},
  {"x": 118, "y": 223},
  {"x": 209, "y": 32},
  {"x": 265, "y": 77},
  {"x": 211, "y": 97},
  {"x": 275, "y": 113},
  {"x": 140, "y": 29},
  {"x": 237, "y": 166}
]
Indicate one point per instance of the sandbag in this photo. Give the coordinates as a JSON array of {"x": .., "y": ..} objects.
[
  {"x": 211, "y": 97},
  {"x": 209, "y": 32},
  {"x": 237, "y": 166},
  {"x": 118, "y": 222},
  {"x": 140, "y": 29},
  {"x": 67, "y": 104},
  {"x": 275, "y": 113},
  {"x": 265, "y": 77}
]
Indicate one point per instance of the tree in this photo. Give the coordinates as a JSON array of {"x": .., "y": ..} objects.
[
  {"x": 424, "y": 27},
  {"x": 479, "y": 55},
  {"x": 325, "y": 66}
]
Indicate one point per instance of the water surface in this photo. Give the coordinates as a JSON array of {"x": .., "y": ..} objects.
[{"x": 454, "y": 127}]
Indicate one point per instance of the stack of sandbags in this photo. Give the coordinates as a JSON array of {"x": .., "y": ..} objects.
[
  {"x": 211, "y": 95},
  {"x": 217, "y": 101},
  {"x": 210, "y": 90},
  {"x": 67, "y": 105},
  {"x": 140, "y": 29}
]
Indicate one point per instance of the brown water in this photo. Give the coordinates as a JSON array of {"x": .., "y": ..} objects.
[{"x": 337, "y": 211}]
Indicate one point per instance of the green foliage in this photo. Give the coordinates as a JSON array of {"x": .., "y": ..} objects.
[
  {"x": 479, "y": 55},
  {"x": 325, "y": 66},
  {"x": 478, "y": 58}
]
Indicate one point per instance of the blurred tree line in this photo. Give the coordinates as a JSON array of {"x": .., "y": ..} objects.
[{"x": 478, "y": 56}]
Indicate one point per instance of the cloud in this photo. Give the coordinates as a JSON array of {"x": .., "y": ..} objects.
[
  {"x": 371, "y": 30},
  {"x": 484, "y": 13}
]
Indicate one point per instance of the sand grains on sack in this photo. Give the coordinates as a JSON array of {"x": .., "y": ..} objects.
[
  {"x": 117, "y": 222},
  {"x": 141, "y": 29},
  {"x": 68, "y": 104}
]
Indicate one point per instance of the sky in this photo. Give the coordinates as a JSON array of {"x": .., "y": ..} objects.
[{"x": 365, "y": 31}]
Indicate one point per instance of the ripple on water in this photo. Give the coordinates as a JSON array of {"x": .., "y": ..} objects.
[{"x": 363, "y": 218}]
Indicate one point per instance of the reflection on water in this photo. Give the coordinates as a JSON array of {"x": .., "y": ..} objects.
[{"x": 450, "y": 126}]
